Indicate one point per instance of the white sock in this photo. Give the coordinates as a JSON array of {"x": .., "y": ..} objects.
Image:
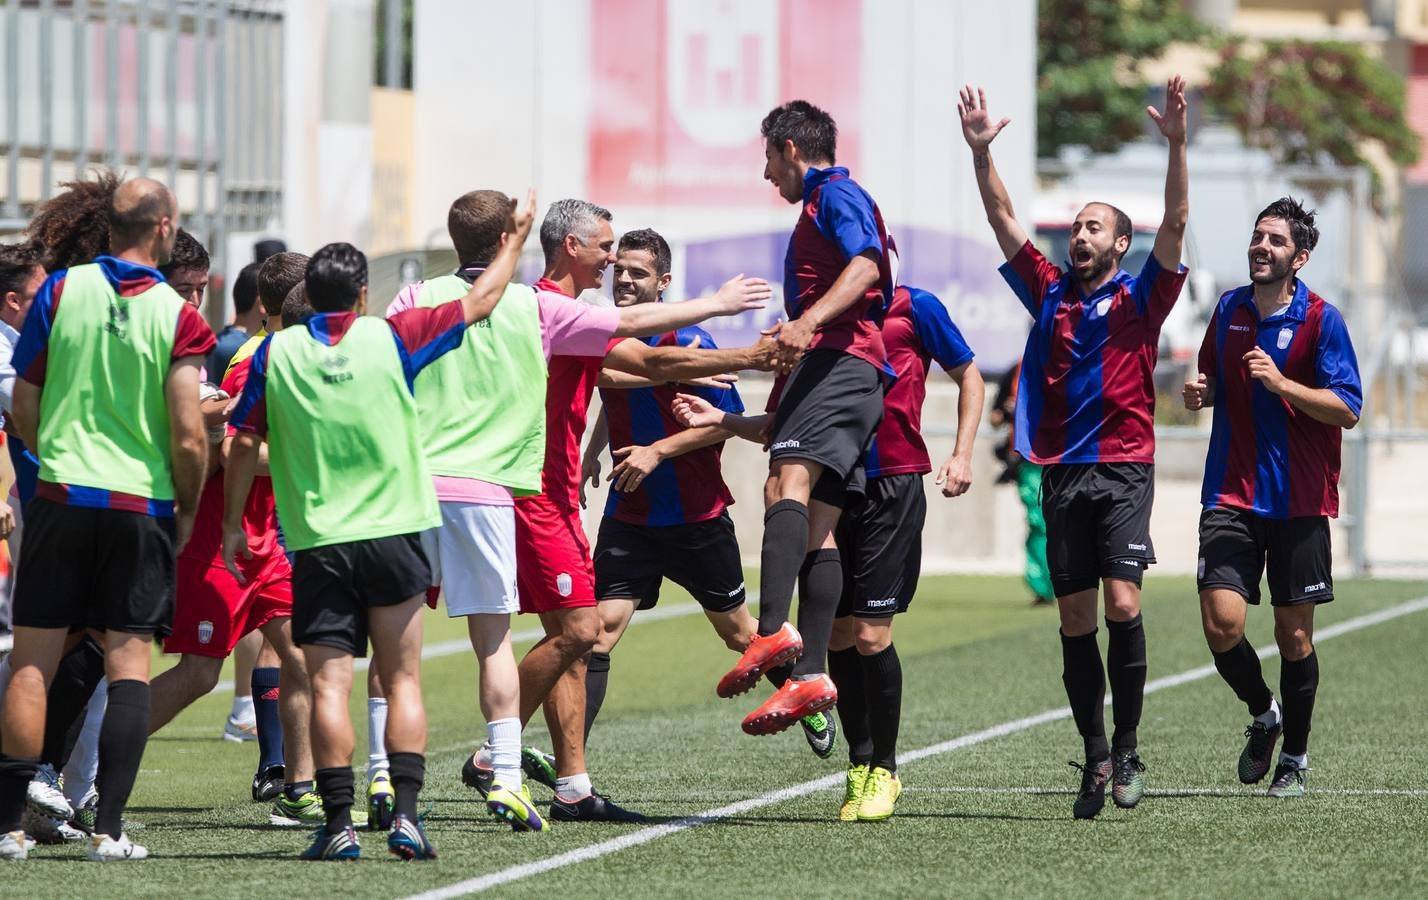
[
  {"x": 1270, "y": 717},
  {"x": 572, "y": 788},
  {"x": 1300, "y": 762},
  {"x": 83, "y": 766},
  {"x": 376, "y": 735},
  {"x": 503, "y": 748},
  {"x": 243, "y": 710}
]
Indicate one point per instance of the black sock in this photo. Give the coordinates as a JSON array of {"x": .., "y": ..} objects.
[
  {"x": 1085, "y": 680},
  {"x": 1239, "y": 667},
  {"x": 294, "y": 790},
  {"x": 408, "y": 772},
  {"x": 122, "y": 739},
  {"x": 15, "y": 775},
  {"x": 77, "y": 676},
  {"x": 1125, "y": 669},
  {"x": 846, "y": 671},
  {"x": 1298, "y": 683},
  {"x": 265, "y": 682},
  {"x": 779, "y": 674},
  {"x": 785, "y": 543},
  {"x": 597, "y": 678},
  {"x": 882, "y": 673},
  {"x": 335, "y": 787},
  {"x": 821, "y": 587}
]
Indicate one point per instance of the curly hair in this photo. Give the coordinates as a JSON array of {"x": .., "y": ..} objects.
[{"x": 73, "y": 226}]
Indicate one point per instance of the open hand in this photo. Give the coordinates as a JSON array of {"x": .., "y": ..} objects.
[
  {"x": 977, "y": 125},
  {"x": 632, "y": 466},
  {"x": 740, "y": 294},
  {"x": 522, "y": 219},
  {"x": 1172, "y": 123},
  {"x": 695, "y": 412}
]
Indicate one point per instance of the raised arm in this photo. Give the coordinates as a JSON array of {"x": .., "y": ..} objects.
[
  {"x": 737, "y": 295},
  {"x": 979, "y": 130},
  {"x": 487, "y": 289},
  {"x": 685, "y": 363},
  {"x": 1170, "y": 239}
]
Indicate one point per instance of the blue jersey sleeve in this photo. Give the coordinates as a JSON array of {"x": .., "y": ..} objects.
[
  {"x": 845, "y": 217},
  {"x": 725, "y": 400},
  {"x": 251, "y": 413},
  {"x": 1335, "y": 364},
  {"x": 937, "y": 332},
  {"x": 30, "y": 351}
]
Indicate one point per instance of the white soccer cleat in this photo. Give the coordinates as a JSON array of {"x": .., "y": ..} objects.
[
  {"x": 44, "y": 794},
  {"x": 15, "y": 845},
  {"x": 46, "y": 830},
  {"x": 103, "y": 848},
  {"x": 239, "y": 730}
]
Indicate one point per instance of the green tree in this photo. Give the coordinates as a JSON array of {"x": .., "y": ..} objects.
[
  {"x": 1307, "y": 101},
  {"x": 1089, "y": 87}
]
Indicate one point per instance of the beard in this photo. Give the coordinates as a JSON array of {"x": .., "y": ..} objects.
[
  {"x": 1100, "y": 264},
  {"x": 1278, "y": 271}
]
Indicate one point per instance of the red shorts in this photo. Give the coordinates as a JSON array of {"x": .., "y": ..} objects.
[
  {"x": 214, "y": 611},
  {"x": 553, "y": 569}
]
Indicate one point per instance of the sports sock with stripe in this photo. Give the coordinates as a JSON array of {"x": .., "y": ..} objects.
[
  {"x": 820, "y": 587},
  {"x": 408, "y": 774},
  {"x": 265, "y": 712},
  {"x": 784, "y": 546},
  {"x": 122, "y": 739},
  {"x": 882, "y": 676},
  {"x": 335, "y": 787},
  {"x": 1298, "y": 685},
  {"x": 1085, "y": 679},
  {"x": 846, "y": 670},
  {"x": 1239, "y": 667},
  {"x": 503, "y": 746},
  {"x": 597, "y": 677},
  {"x": 1125, "y": 668}
]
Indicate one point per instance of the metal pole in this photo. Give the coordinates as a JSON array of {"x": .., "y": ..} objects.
[
  {"x": 12, "y": 108},
  {"x": 171, "y": 93},
  {"x": 274, "y": 130},
  {"x": 219, "y": 230},
  {"x": 200, "y": 92},
  {"x": 392, "y": 58},
  {"x": 47, "y": 98},
  {"x": 141, "y": 37},
  {"x": 111, "y": 89},
  {"x": 81, "y": 86}
]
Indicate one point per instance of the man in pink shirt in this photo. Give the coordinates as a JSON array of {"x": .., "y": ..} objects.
[{"x": 474, "y": 552}]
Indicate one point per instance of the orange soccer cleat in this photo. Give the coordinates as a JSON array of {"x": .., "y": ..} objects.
[
  {"x": 790, "y": 703},
  {"x": 762, "y": 654}
]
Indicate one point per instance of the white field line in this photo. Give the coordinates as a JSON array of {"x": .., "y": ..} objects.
[
  {"x": 1247, "y": 791},
  {"x": 655, "y": 832}
]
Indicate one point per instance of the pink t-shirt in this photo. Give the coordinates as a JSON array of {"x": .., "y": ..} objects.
[{"x": 567, "y": 328}]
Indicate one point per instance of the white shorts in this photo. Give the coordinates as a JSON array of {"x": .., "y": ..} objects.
[{"x": 473, "y": 558}]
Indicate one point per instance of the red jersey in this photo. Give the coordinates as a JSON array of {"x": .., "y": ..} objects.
[{"x": 569, "y": 388}]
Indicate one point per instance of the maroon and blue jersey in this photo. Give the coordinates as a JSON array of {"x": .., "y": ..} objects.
[
  {"x": 916, "y": 331},
  {"x": 683, "y": 489},
  {"x": 423, "y": 335},
  {"x": 1265, "y": 456},
  {"x": 1086, "y": 392},
  {"x": 838, "y": 221}
]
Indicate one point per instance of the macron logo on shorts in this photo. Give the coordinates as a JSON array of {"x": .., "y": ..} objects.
[
  {"x": 891, "y": 601},
  {"x": 1321, "y": 586},
  {"x": 563, "y": 584},
  {"x": 736, "y": 591},
  {"x": 1140, "y": 547},
  {"x": 784, "y": 445}
]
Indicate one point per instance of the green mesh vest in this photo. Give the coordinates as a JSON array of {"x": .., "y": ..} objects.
[
  {"x": 104, "y": 421},
  {"x": 483, "y": 404},
  {"x": 343, "y": 443}
]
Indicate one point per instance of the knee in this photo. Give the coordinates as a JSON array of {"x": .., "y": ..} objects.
[
  {"x": 1295, "y": 641},
  {"x": 1076, "y": 622},
  {"x": 843, "y": 635},
  {"x": 579, "y": 634},
  {"x": 873, "y": 636},
  {"x": 199, "y": 673},
  {"x": 1221, "y": 632},
  {"x": 1122, "y": 600}
]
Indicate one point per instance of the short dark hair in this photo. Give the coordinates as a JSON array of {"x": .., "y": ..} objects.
[
  {"x": 17, "y": 264},
  {"x": 335, "y": 277},
  {"x": 1301, "y": 221},
  {"x": 295, "y": 306},
  {"x": 812, "y": 130},
  {"x": 1122, "y": 224},
  {"x": 476, "y": 221},
  {"x": 188, "y": 253},
  {"x": 245, "y": 289},
  {"x": 276, "y": 278},
  {"x": 652, "y": 242}
]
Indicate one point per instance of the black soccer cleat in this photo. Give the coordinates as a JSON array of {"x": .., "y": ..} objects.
[
  {"x": 1092, "y": 796},
  {"x": 268, "y": 783},
  {"x": 476, "y": 777},
  {"x": 594, "y": 808},
  {"x": 1258, "y": 754},
  {"x": 1127, "y": 779}
]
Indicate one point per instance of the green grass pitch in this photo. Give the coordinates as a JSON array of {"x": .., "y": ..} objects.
[{"x": 991, "y": 818}]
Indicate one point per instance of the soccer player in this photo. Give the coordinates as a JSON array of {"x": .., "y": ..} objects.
[
  {"x": 1279, "y": 369},
  {"x": 21, "y": 276},
  {"x": 837, "y": 284},
  {"x": 1084, "y": 410},
  {"x": 248, "y": 318},
  {"x": 354, "y": 491},
  {"x": 187, "y": 273},
  {"x": 108, "y": 382},
  {"x": 880, "y": 541},
  {"x": 554, "y": 574}
]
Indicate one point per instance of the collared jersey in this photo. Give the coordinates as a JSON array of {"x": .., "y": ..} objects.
[
  {"x": 838, "y": 221},
  {"x": 916, "y": 331},
  {"x": 568, "y": 392},
  {"x": 687, "y": 488},
  {"x": 1087, "y": 392},
  {"x": 1266, "y": 456}
]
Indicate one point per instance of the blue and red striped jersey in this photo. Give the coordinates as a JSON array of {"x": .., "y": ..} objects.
[
  {"x": 683, "y": 489},
  {"x": 916, "y": 330},
  {"x": 838, "y": 221},
  {"x": 1266, "y": 456},
  {"x": 1086, "y": 392}
]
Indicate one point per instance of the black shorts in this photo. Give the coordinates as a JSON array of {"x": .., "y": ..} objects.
[
  {"x": 828, "y": 412},
  {"x": 1236, "y": 545},
  {"x": 1097, "y": 523},
  {"x": 880, "y": 540},
  {"x": 107, "y": 569},
  {"x": 632, "y": 561},
  {"x": 334, "y": 586}
]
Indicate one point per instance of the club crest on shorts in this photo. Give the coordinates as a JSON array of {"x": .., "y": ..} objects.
[
  {"x": 205, "y": 631},
  {"x": 564, "y": 584},
  {"x": 1285, "y": 336}
]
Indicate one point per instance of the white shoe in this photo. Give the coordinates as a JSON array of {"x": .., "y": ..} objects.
[
  {"x": 103, "y": 848},
  {"x": 15, "y": 845},
  {"x": 240, "y": 730},
  {"x": 45, "y": 796}
]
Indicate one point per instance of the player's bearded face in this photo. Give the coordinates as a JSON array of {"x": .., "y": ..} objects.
[
  {"x": 1271, "y": 252},
  {"x": 635, "y": 278},
  {"x": 1093, "y": 249}
]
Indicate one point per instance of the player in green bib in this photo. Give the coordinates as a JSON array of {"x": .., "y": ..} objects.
[{"x": 334, "y": 400}]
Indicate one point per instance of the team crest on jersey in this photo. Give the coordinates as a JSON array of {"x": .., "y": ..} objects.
[
  {"x": 1285, "y": 336},
  {"x": 563, "y": 584},
  {"x": 205, "y": 631},
  {"x": 1103, "y": 307}
]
